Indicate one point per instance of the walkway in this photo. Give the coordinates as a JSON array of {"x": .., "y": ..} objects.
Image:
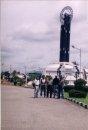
[{"x": 20, "y": 111}]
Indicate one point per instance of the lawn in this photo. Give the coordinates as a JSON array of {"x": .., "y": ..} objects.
[{"x": 84, "y": 100}]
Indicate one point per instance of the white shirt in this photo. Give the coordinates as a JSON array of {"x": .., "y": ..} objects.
[{"x": 36, "y": 82}]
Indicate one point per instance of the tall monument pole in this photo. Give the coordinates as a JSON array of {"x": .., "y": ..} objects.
[{"x": 65, "y": 19}]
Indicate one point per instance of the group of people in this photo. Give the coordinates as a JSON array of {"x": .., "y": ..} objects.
[{"x": 48, "y": 87}]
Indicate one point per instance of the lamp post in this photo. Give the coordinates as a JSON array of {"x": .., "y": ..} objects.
[
  {"x": 26, "y": 75},
  {"x": 80, "y": 55}
]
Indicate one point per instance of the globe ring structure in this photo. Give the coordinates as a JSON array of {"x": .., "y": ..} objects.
[{"x": 66, "y": 10}]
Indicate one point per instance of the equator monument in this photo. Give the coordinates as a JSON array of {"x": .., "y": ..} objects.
[{"x": 69, "y": 70}]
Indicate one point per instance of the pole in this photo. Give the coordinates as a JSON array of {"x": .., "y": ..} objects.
[
  {"x": 10, "y": 69},
  {"x": 80, "y": 62},
  {"x": 10, "y": 72},
  {"x": 26, "y": 74}
]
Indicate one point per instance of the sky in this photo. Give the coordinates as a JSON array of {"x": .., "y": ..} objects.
[{"x": 30, "y": 33}]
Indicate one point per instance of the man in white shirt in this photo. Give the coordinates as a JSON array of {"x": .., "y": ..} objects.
[
  {"x": 36, "y": 90},
  {"x": 43, "y": 86}
]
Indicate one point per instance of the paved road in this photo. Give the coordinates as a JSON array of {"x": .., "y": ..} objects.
[{"x": 20, "y": 111}]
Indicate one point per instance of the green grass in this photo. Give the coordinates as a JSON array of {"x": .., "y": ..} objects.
[{"x": 84, "y": 100}]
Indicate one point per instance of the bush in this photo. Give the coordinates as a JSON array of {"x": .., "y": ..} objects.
[
  {"x": 80, "y": 84},
  {"x": 86, "y": 89},
  {"x": 18, "y": 81},
  {"x": 67, "y": 88},
  {"x": 77, "y": 94},
  {"x": 5, "y": 75}
]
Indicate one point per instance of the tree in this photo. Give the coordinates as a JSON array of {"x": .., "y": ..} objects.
[
  {"x": 18, "y": 81},
  {"x": 14, "y": 73},
  {"x": 6, "y": 75}
]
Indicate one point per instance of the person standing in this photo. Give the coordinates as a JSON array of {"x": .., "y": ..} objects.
[
  {"x": 61, "y": 86},
  {"x": 49, "y": 87},
  {"x": 56, "y": 88},
  {"x": 36, "y": 87},
  {"x": 43, "y": 86}
]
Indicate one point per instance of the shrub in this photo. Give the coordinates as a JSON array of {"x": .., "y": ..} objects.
[
  {"x": 6, "y": 75},
  {"x": 86, "y": 89},
  {"x": 67, "y": 88},
  {"x": 80, "y": 84},
  {"x": 77, "y": 94},
  {"x": 18, "y": 81}
]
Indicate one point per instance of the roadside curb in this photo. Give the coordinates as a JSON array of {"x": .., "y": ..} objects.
[{"x": 77, "y": 102}]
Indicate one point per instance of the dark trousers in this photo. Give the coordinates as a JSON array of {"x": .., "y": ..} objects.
[
  {"x": 58, "y": 93},
  {"x": 61, "y": 92},
  {"x": 55, "y": 90},
  {"x": 49, "y": 91},
  {"x": 43, "y": 90}
]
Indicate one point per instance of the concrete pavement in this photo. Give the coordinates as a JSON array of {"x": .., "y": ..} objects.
[{"x": 20, "y": 111}]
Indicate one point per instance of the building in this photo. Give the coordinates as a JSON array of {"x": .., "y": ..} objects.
[{"x": 68, "y": 71}]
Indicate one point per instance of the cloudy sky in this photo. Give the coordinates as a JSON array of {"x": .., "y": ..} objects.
[{"x": 30, "y": 32}]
